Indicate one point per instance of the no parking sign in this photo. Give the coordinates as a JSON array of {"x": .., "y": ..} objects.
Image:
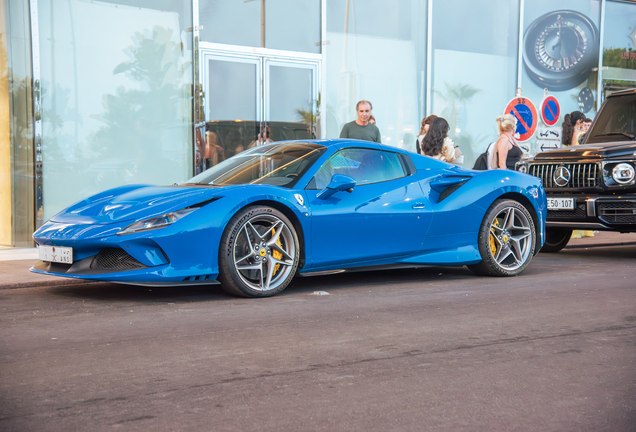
[
  {"x": 525, "y": 112},
  {"x": 550, "y": 110}
]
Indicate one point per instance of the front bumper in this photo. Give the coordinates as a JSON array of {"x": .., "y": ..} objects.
[
  {"x": 166, "y": 256},
  {"x": 603, "y": 213}
]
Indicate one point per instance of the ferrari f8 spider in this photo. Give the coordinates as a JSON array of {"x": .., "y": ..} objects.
[{"x": 255, "y": 221}]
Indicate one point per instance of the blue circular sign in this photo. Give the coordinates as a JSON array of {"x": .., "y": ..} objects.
[
  {"x": 525, "y": 112},
  {"x": 550, "y": 110}
]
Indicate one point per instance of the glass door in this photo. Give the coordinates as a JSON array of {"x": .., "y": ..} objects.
[
  {"x": 253, "y": 99},
  {"x": 291, "y": 99},
  {"x": 232, "y": 108}
]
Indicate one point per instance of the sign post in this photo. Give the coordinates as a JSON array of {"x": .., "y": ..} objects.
[
  {"x": 549, "y": 133},
  {"x": 545, "y": 145}
]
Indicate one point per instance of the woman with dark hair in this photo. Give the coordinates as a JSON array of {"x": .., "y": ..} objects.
[
  {"x": 436, "y": 142},
  {"x": 426, "y": 124},
  {"x": 571, "y": 127}
]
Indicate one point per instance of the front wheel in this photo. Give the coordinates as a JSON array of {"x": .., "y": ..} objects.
[
  {"x": 259, "y": 253},
  {"x": 506, "y": 240},
  {"x": 556, "y": 239}
]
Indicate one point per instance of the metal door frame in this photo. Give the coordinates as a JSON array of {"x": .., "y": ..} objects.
[
  {"x": 206, "y": 56},
  {"x": 266, "y": 57},
  {"x": 299, "y": 64}
]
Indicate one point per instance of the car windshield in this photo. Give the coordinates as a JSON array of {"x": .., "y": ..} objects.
[
  {"x": 616, "y": 121},
  {"x": 279, "y": 164}
]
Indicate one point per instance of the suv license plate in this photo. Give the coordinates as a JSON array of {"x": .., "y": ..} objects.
[
  {"x": 56, "y": 254},
  {"x": 560, "y": 203}
]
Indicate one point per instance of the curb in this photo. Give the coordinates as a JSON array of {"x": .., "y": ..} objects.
[
  {"x": 595, "y": 245},
  {"x": 18, "y": 285}
]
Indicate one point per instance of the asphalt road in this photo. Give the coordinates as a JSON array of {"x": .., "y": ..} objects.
[{"x": 430, "y": 349}]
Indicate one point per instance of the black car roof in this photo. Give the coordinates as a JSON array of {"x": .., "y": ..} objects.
[{"x": 623, "y": 93}]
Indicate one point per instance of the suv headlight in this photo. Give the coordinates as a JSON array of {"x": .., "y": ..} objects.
[
  {"x": 157, "y": 222},
  {"x": 623, "y": 173},
  {"x": 521, "y": 167}
]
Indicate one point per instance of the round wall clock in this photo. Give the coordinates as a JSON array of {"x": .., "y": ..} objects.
[{"x": 560, "y": 49}]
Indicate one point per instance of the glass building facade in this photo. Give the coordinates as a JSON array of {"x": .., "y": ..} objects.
[{"x": 96, "y": 94}]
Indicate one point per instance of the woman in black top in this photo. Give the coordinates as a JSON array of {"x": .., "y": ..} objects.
[{"x": 507, "y": 152}]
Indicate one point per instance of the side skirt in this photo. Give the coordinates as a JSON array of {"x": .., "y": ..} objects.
[
  {"x": 373, "y": 268},
  {"x": 171, "y": 284}
]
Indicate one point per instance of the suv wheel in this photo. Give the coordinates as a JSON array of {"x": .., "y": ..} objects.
[{"x": 556, "y": 239}]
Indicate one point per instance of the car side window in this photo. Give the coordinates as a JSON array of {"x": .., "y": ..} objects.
[{"x": 365, "y": 166}]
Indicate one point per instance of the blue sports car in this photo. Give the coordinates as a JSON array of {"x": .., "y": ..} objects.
[{"x": 254, "y": 221}]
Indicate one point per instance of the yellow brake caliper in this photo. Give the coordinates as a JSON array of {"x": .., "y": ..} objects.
[
  {"x": 493, "y": 245},
  {"x": 277, "y": 255}
]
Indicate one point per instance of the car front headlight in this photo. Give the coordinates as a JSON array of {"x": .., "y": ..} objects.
[
  {"x": 522, "y": 167},
  {"x": 623, "y": 173},
  {"x": 157, "y": 222}
]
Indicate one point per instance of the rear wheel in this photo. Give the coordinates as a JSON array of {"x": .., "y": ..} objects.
[
  {"x": 259, "y": 253},
  {"x": 506, "y": 240},
  {"x": 556, "y": 239}
]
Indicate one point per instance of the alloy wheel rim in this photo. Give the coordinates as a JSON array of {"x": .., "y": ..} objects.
[
  {"x": 511, "y": 236},
  {"x": 264, "y": 252}
]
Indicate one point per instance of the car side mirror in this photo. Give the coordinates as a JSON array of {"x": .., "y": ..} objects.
[{"x": 339, "y": 183}]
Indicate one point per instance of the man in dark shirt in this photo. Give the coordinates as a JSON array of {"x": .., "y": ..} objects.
[{"x": 361, "y": 128}]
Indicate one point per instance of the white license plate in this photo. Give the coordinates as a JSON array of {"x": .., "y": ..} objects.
[
  {"x": 560, "y": 203},
  {"x": 56, "y": 254}
]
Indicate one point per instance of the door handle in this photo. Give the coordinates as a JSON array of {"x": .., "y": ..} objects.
[{"x": 418, "y": 205}]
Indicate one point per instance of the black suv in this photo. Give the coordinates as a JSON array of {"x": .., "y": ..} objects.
[{"x": 592, "y": 186}]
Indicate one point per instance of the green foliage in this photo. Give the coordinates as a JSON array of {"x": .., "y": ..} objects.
[
  {"x": 613, "y": 57},
  {"x": 135, "y": 118},
  {"x": 456, "y": 96},
  {"x": 309, "y": 115}
]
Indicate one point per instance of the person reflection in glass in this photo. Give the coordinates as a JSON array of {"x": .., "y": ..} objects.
[
  {"x": 264, "y": 137},
  {"x": 214, "y": 153},
  {"x": 233, "y": 144}
]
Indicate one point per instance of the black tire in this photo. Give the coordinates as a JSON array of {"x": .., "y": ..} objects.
[
  {"x": 556, "y": 239},
  {"x": 263, "y": 266},
  {"x": 505, "y": 251}
]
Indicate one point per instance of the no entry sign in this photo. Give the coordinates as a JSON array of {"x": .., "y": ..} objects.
[
  {"x": 526, "y": 114},
  {"x": 550, "y": 110}
]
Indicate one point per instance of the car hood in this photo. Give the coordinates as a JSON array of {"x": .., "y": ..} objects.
[
  {"x": 590, "y": 151},
  {"x": 141, "y": 203}
]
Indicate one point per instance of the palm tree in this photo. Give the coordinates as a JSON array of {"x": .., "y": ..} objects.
[
  {"x": 310, "y": 115},
  {"x": 456, "y": 96}
]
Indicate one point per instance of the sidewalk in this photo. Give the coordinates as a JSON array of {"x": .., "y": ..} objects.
[
  {"x": 15, "y": 263},
  {"x": 14, "y": 270}
]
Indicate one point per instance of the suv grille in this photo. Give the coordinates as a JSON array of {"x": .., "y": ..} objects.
[
  {"x": 582, "y": 175},
  {"x": 114, "y": 259},
  {"x": 579, "y": 212},
  {"x": 618, "y": 212}
]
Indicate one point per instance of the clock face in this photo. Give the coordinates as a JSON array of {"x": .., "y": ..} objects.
[{"x": 560, "y": 49}]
